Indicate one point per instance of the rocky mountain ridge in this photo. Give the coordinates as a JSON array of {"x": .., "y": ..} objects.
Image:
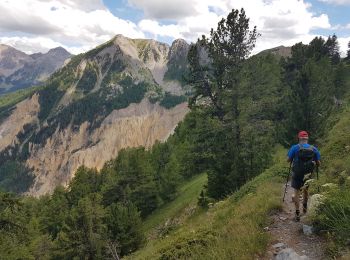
[
  {"x": 112, "y": 97},
  {"x": 20, "y": 70}
]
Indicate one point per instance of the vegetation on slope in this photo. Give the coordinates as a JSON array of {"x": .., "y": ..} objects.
[
  {"x": 9, "y": 100},
  {"x": 229, "y": 229},
  {"x": 333, "y": 217},
  {"x": 241, "y": 109}
]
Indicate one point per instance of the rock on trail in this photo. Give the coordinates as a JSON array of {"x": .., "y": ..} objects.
[{"x": 289, "y": 242}]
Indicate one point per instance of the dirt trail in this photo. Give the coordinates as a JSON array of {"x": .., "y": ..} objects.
[{"x": 285, "y": 230}]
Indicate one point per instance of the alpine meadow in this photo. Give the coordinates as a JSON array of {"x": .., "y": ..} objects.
[{"x": 142, "y": 150}]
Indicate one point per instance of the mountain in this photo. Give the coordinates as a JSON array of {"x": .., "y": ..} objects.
[
  {"x": 11, "y": 60},
  {"x": 19, "y": 70},
  {"x": 280, "y": 51},
  {"x": 110, "y": 98}
]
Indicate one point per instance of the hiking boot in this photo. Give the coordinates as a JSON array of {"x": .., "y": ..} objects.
[
  {"x": 297, "y": 215},
  {"x": 304, "y": 207}
]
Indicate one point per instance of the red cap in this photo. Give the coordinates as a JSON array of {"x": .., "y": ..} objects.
[{"x": 303, "y": 134}]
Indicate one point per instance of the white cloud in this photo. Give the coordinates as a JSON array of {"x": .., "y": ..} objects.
[
  {"x": 156, "y": 29},
  {"x": 337, "y": 2},
  {"x": 78, "y": 24},
  {"x": 343, "y": 43},
  {"x": 85, "y": 5},
  {"x": 82, "y": 24},
  {"x": 39, "y": 44},
  {"x": 281, "y": 22}
]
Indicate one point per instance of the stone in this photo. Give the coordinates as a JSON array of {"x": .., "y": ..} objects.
[
  {"x": 282, "y": 218},
  {"x": 315, "y": 202},
  {"x": 307, "y": 230},
  {"x": 279, "y": 246},
  {"x": 289, "y": 254}
]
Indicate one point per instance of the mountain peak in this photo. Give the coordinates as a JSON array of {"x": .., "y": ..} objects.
[
  {"x": 179, "y": 49},
  {"x": 281, "y": 51},
  {"x": 59, "y": 51},
  {"x": 179, "y": 41},
  {"x": 7, "y": 48}
]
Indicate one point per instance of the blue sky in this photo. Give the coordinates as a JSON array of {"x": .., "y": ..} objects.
[
  {"x": 339, "y": 15},
  {"x": 79, "y": 25},
  {"x": 124, "y": 10}
]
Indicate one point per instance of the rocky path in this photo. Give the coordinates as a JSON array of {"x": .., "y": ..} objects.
[{"x": 290, "y": 241}]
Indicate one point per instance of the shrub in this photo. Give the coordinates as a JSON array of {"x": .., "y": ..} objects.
[{"x": 334, "y": 214}]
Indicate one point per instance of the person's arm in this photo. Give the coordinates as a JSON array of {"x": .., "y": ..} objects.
[
  {"x": 317, "y": 157},
  {"x": 290, "y": 154}
]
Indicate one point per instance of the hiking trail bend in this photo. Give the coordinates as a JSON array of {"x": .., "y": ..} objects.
[{"x": 288, "y": 239}]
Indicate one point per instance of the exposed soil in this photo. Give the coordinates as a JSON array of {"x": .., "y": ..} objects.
[{"x": 284, "y": 229}]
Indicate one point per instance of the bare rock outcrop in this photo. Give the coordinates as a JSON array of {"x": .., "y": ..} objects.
[
  {"x": 25, "y": 112},
  {"x": 137, "y": 125}
]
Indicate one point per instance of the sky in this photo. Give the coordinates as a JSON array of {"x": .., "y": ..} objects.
[{"x": 80, "y": 25}]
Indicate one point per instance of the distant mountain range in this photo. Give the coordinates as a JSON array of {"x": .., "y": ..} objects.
[
  {"x": 124, "y": 93},
  {"x": 19, "y": 70}
]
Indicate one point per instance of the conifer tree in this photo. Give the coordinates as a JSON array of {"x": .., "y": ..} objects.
[
  {"x": 332, "y": 47},
  {"x": 311, "y": 80},
  {"x": 215, "y": 64}
]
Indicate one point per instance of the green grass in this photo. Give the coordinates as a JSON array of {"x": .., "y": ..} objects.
[
  {"x": 231, "y": 229},
  {"x": 336, "y": 150},
  {"x": 333, "y": 216},
  {"x": 13, "y": 98},
  {"x": 188, "y": 194}
]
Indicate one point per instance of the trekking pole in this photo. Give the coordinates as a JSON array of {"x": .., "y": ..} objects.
[
  {"x": 285, "y": 189},
  {"x": 318, "y": 184}
]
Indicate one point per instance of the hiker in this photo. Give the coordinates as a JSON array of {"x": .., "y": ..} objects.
[{"x": 304, "y": 157}]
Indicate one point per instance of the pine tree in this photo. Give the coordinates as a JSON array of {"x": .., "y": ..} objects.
[
  {"x": 348, "y": 53},
  {"x": 124, "y": 227},
  {"x": 9, "y": 204},
  {"x": 310, "y": 79},
  {"x": 332, "y": 47},
  {"x": 53, "y": 220},
  {"x": 215, "y": 61},
  {"x": 84, "y": 234},
  {"x": 86, "y": 181},
  {"x": 215, "y": 64}
]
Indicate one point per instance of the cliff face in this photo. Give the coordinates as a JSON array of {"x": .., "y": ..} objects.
[
  {"x": 96, "y": 105},
  {"x": 24, "y": 113},
  {"x": 137, "y": 125}
]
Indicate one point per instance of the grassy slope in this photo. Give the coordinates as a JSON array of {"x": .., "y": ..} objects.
[
  {"x": 13, "y": 98},
  {"x": 337, "y": 147},
  {"x": 334, "y": 216},
  {"x": 233, "y": 228},
  {"x": 188, "y": 194}
]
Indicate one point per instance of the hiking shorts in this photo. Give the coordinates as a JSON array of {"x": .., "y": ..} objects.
[{"x": 297, "y": 181}]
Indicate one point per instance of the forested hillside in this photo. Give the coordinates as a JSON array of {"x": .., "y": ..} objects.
[{"x": 245, "y": 111}]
